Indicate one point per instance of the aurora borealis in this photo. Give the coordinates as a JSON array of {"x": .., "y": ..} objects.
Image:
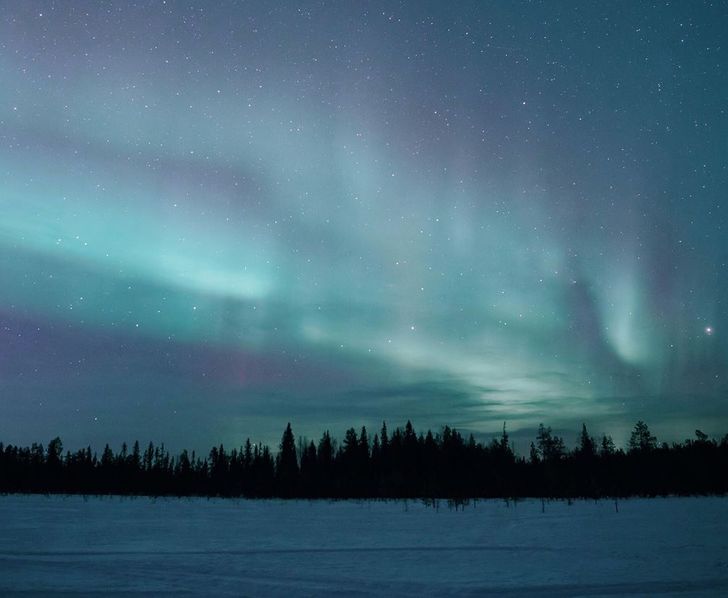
[{"x": 219, "y": 217}]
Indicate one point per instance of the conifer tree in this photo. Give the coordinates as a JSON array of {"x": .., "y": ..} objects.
[
  {"x": 287, "y": 464},
  {"x": 587, "y": 446},
  {"x": 641, "y": 439}
]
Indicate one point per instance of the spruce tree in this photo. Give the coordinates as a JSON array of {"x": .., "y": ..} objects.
[{"x": 287, "y": 464}]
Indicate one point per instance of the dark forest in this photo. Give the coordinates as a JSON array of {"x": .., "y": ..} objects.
[{"x": 392, "y": 464}]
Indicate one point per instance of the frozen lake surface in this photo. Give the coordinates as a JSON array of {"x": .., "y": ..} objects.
[{"x": 125, "y": 546}]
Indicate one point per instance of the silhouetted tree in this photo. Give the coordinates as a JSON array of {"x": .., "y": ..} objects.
[
  {"x": 309, "y": 470},
  {"x": 287, "y": 464},
  {"x": 641, "y": 438},
  {"x": 607, "y": 446},
  {"x": 587, "y": 445},
  {"x": 550, "y": 447}
]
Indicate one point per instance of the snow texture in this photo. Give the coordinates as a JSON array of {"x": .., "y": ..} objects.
[{"x": 126, "y": 546}]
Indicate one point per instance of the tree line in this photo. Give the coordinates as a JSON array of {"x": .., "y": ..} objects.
[{"x": 396, "y": 464}]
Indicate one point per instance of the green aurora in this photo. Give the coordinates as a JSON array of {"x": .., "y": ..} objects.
[{"x": 214, "y": 220}]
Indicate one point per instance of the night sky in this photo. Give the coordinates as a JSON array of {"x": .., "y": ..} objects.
[{"x": 219, "y": 217}]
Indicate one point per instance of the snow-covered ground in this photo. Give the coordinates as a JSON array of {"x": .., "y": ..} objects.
[{"x": 235, "y": 547}]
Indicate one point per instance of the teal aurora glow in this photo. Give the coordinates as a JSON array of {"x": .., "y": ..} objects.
[{"x": 216, "y": 219}]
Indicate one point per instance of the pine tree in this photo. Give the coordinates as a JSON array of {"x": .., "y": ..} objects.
[
  {"x": 641, "y": 439},
  {"x": 587, "y": 446},
  {"x": 504, "y": 440},
  {"x": 287, "y": 464},
  {"x": 607, "y": 446},
  {"x": 384, "y": 437},
  {"x": 136, "y": 459},
  {"x": 550, "y": 446}
]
